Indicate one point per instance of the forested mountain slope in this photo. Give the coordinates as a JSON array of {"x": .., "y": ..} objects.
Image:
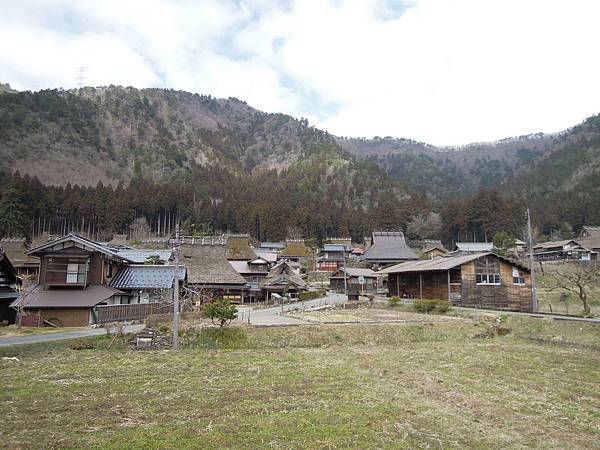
[{"x": 227, "y": 165}]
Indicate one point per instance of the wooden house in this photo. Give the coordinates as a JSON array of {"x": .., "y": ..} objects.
[
  {"x": 353, "y": 276},
  {"x": 283, "y": 279},
  {"x": 296, "y": 253},
  {"x": 480, "y": 280},
  {"x": 562, "y": 251},
  {"x": 389, "y": 247},
  {"x": 590, "y": 238},
  {"x": 74, "y": 278},
  {"x": 332, "y": 256},
  {"x": 16, "y": 250},
  {"x": 432, "y": 249},
  {"x": 254, "y": 272},
  {"x": 9, "y": 285},
  {"x": 209, "y": 273}
]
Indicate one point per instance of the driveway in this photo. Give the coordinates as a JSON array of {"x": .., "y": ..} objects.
[
  {"x": 272, "y": 316},
  {"x": 49, "y": 337}
]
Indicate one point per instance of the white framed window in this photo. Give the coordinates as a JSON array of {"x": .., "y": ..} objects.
[
  {"x": 518, "y": 276},
  {"x": 487, "y": 271}
]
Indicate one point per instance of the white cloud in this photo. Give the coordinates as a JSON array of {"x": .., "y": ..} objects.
[{"x": 438, "y": 71}]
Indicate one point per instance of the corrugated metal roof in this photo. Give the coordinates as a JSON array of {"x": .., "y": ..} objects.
[
  {"x": 146, "y": 277},
  {"x": 389, "y": 246},
  {"x": 358, "y": 272},
  {"x": 553, "y": 244},
  {"x": 441, "y": 263},
  {"x": 67, "y": 298},
  {"x": 474, "y": 246},
  {"x": 243, "y": 267},
  {"x": 336, "y": 248},
  {"x": 267, "y": 255},
  {"x": 140, "y": 256}
]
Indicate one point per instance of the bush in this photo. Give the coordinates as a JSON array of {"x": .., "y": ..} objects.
[
  {"x": 220, "y": 311},
  {"x": 82, "y": 344},
  {"x": 310, "y": 295},
  {"x": 426, "y": 306},
  {"x": 393, "y": 301}
]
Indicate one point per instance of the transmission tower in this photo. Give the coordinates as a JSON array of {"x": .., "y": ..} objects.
[{"x": 81, "y": 75}]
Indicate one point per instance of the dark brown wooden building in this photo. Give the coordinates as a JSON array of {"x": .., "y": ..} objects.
[
  {"x": 353, "y": 277},
  {"x": 482, "y": 280},
  {"x": 74, "y": 278}
]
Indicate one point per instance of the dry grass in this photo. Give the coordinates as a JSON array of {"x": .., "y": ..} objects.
[{"x": 321, "y": 386}]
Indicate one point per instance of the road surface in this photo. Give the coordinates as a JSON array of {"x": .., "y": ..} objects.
[
  {"x": 272, "y": 316},
  {"x": 59, "y": 336}
]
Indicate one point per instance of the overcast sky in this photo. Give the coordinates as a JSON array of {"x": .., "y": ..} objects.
[{"x": 440, "y": 71}]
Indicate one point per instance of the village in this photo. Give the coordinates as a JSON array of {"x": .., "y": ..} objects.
[{"x": 73, "y": 281}]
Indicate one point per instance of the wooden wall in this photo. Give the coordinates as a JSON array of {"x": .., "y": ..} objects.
[
  {"x": 505, "y": 296},
  {"x": 70, "y": 317}
]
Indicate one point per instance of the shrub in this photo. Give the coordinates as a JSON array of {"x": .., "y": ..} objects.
[
  {"x": 310, "y": 295},
  {"x": 82, "y": 344},
  {"x": 220, "y": 311},
  {"x": 426, "y": 306},
  {"x": 393, "y": 301}
]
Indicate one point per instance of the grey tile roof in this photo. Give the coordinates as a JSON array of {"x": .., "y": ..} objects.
[
  {"x": 147, "y": 277},
  {"x": 389, "y": 246},
  {"x": 79, "y": 241},
  {"x": 282, "y": 274}
]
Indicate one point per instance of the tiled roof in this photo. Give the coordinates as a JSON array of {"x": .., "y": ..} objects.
[{"x": 147, "y": 277}]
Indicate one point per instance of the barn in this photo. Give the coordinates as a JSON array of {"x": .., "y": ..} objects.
[{"x": 479, "y": 280}]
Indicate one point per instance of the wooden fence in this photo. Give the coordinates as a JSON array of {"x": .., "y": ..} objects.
[{"x": 133, "y": 311}]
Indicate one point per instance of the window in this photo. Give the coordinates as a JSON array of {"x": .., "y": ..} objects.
[
  {"x": 518, "y": 276},
  {"x": 76, "y": 273},
  {"x": 455, "y": 276},
  {"x": 487, "y": 271}
]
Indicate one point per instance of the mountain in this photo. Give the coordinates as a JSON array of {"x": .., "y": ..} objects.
[
  {"x": 444, "y": 172},
  {"x": 234, "y": 166}
]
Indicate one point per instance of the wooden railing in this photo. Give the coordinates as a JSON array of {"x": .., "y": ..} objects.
[{"x": 133, "y": 311}]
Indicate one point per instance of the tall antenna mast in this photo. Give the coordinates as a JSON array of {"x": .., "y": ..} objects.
[{"x": 81, "y": 75}]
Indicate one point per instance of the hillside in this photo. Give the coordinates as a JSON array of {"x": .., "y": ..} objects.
[
  {"x": 227, "y": 165},
  {"x": 445, "y": 172}
]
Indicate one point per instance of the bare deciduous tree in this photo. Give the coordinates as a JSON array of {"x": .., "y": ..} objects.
[{"x": 578, "y": 279}]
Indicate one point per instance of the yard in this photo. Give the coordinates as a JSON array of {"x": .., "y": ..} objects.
[{"x": 453, "y": 384}]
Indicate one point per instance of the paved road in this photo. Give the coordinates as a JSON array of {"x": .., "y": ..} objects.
[
  {"x": 272, "y": 316},
  {"x": 48, "y": 337}
]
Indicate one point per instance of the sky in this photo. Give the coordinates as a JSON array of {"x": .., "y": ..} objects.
[{"x": 445, "y": 72}]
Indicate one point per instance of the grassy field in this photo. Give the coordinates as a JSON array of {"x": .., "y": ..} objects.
[{"x": 452, "y": 384}]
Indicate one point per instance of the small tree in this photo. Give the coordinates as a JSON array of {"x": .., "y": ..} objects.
[
  {"x": 220, "y": 311},
  {"x": 580, "y": 280},
  {"x": 503, "y": 241}
]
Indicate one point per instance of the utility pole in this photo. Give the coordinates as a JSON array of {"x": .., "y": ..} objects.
[
  {"x": 534, "y": 302},
  {"x": 345, "y": 279},
  {"x": 176, "y": 292}
]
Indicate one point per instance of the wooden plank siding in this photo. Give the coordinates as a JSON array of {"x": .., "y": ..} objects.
[
  {"x": 434, "y": 285},
  {"x": 507, "y": 295}
]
